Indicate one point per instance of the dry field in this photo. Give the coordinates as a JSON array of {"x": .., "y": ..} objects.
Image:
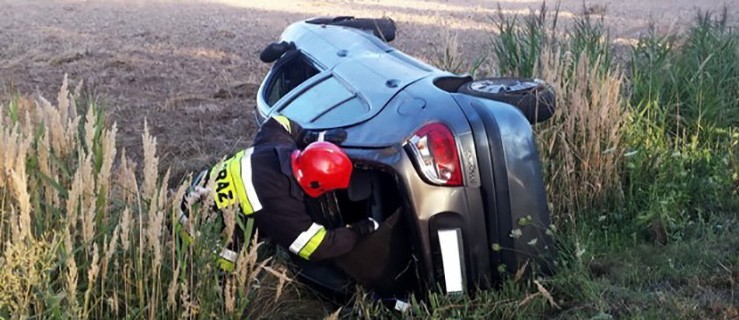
[{"x": 190, "y": 67}]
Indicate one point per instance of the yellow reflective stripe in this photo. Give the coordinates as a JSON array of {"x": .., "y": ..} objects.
[
  {"x": 229, "y": 255},
  {"x": 284, "y": 121},
  {"x": 229, "y": 190},
  {"x": 226, "y": 265},
  {"x": 247, "y": 186},
  {"x": 233, "y": 183},
  {"x": 224, "y": 183},
  {"x": 227, "y": 259},
  {"x": 304, "y": 237},
  {"x": 234, "y": 167},
  {"x": 312, "y": 244}
]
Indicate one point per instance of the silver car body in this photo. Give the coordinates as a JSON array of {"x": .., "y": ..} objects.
[{"x": 382, "y": 96}]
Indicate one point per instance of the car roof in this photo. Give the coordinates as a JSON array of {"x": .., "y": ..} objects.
[{"x": 366, "y": 65}]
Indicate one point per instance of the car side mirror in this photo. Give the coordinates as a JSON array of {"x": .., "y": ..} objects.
[{"x": 275, "y": 50}]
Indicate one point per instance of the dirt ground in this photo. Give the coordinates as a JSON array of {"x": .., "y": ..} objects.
[{"x": 191, "y": 68}]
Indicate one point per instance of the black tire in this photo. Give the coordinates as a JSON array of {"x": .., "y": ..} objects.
[{"x": 533, "y": 97}]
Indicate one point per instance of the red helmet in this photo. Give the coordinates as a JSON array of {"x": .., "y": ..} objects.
[{"x": 321, "y": 167}]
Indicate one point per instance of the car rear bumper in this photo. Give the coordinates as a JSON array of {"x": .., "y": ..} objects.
[{"x": 514, "y": 197}]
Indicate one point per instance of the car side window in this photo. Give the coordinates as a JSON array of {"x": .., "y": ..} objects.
[{"x": 289, "y": 75}]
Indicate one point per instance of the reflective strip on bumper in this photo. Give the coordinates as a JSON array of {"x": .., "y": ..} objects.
[{"x": 450, "y": 242}]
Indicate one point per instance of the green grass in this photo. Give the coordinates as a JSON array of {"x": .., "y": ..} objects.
[
  {"x": 625, "y": 276},
  {"x": 520, "y": 41},
  {"x": 683, "y": 132},
  {"x": 606, "y": 274},
  {"x": 692, "y": 79}
]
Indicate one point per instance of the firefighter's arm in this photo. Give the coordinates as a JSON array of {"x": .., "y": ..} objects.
[
  {"x": 305, "y": 137},
  {"x": 285, "y": 221},
  {"x": 327, "y": 244}
]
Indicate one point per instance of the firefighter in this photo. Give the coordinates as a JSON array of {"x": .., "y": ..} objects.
[{"x": 267, "y": 184}]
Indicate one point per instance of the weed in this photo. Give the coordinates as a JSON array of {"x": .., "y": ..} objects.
[
  {"x": 81, "y": 238},
  {"x": 518, "y": 48},
  {"x": 683, "y": 129},
  {"x": 693, "y": 80}
]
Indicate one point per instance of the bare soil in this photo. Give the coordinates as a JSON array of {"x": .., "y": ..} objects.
[{"x": 191, "y": 68}]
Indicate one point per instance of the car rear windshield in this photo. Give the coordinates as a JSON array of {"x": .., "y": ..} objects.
[{"x": 327, "y": 104}]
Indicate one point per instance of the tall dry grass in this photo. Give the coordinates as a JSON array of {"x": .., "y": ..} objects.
[
  {"x": 582, "y": 145},
  {"x": 83, "y": 235},
  {"x": 654, "y": 150}
]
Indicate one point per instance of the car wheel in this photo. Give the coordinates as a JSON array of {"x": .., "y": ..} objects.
[{"x": 534, "y": 97}]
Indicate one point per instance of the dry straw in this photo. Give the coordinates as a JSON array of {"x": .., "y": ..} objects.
[
  {"x": 76, "y": 225},
  {"x": 26, "y": 267},
  {"x": 581, "y": 145}
]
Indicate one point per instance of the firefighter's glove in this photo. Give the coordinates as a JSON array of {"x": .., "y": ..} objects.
[
  {"x": 335, "y": 136},
  {"x": 193, "y": 195},
  {"x": 365, "y": 227}
]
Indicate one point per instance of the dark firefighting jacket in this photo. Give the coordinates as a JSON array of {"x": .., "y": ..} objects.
[{"x": 259, "y": 180}]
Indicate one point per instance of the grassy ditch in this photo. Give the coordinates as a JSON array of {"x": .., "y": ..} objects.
[{"x": 641, "y": 162}]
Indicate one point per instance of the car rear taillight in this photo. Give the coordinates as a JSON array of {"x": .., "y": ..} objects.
[{"x": 435, "y": 153}]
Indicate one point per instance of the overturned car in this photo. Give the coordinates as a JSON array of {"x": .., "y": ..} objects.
[{"x": 447, "y": 164}]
